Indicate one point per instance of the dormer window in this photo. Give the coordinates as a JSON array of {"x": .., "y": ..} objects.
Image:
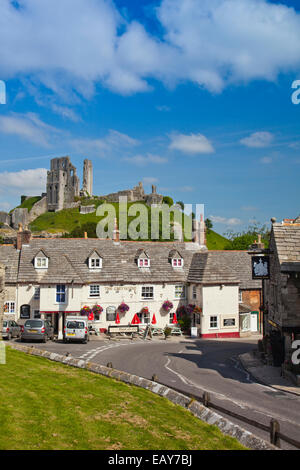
[
  {"x": 142, "y": 259},
  {"x": 94, "y": 260},
  {"x": 41, "y": 263},
  {"x": 177, "y": 262},
  {"x": 95, "y": 263},
  {"x": 144, "y": 263}
]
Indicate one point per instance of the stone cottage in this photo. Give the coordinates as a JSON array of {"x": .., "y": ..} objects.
[{"x": 282, "y": 289}]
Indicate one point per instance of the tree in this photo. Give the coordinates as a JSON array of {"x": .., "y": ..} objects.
[
  {"x": 181, "y": 204},
  {"x": 168, "y": 200},
  {"x": 242, "y": 240},
  {"x": 209, "y": 225}
]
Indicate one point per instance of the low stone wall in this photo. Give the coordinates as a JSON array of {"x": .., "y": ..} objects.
[
  {"x": 87, "y": 209},
  {"x": 246, "y": 438}
]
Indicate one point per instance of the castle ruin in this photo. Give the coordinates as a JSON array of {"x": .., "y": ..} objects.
[{"x": 62, "y": 184}]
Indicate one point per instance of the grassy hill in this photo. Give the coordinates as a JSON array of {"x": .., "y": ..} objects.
[{"x": 70, "y": 220}]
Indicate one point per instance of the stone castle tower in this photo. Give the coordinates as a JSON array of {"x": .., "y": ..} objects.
[
  {"x": 62, "y": 184},
  {"x": 87, "y": 183}
]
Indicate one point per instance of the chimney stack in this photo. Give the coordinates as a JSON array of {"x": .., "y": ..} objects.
[
  {"x": 23, "y": 237},
  {"x": 116, "y": 233},
  {"x": 199, "y": 231}
]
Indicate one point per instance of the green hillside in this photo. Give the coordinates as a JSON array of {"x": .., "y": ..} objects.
[{"x": 72, "y": 223}]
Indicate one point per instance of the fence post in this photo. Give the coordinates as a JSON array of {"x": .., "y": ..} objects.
[
  {"x": 206, "y": 399},
  {"x": 154, "y": 378},
  {"x": 274, "y": 432}
]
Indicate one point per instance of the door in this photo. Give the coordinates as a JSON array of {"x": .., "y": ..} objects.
[{"x": 254, "y": 322}]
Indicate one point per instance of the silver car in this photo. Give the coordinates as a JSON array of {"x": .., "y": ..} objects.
[
  {"x": 10, "y": 329},
  {"x": 37, "y": 330},
  {"x": 76, "y": 330}
]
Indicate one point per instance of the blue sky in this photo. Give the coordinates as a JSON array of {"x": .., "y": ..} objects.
[{"x": 193, "y": 96}]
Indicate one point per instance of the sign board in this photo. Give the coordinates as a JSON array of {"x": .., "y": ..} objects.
[
  {"x": 229, "y": 322},
  {"x": 123, "y": 329},
  {"x": 260, "y": 267}
]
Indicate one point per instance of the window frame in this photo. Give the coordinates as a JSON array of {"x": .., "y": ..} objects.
[
  {"x": 180, "y": 297},
  {"x": 144, "y": 262},
  {"x": 10, "y": 311},
  {"x": 144, "y": 288},
  {"x": 38, "y": 262},
  {"x": 94, "y": 261},
  {"x": 175, "y": 262},
  {"x": 94, "y": 296},
  {"x": 215, "y": 321},
  {"x": 61, "y": 293}
]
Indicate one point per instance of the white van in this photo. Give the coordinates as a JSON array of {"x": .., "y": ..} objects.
[{"x": 76, "y": 329}]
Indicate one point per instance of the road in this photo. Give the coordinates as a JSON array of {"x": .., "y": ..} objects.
[{"x": 195, "y": 366}]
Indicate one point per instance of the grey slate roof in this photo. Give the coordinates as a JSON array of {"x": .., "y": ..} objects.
[
  {"x": 9, "y": 256},
  {"x": 68, "y": 261},
  {"x": 287, "y": 241},
  {"x": 237, "y": 264},
  {"x": 211, "y": 268}
]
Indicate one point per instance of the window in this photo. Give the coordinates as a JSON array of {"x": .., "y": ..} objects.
[
  {"x": 171, "y": 318},
  {"x": 213, "y": 322},
  {"x": 94, "y": 290},
  {"x": 61, "y": 294},
  {"x": 194, "y": 292},
  {"x": 144, "y": 263},
  {"x": 36, "y": 295},
  {"x": 111, "y": 314},
  {"x": 36, "y": 314},
  {"x": 95, "y": 263},
  {"x": 9, "y": 307},
  {"x": 228, "y": 322},
  {"x": 41, "y": 263},
  {"x": 147, "y": 293},
  {"x": 177, "y": 262},
  {"x": 179, "y": 292},
  {"x": 25, "y": 311},
  {"x": 144, "y": 317},
  {"x": 240, "y": 296}
]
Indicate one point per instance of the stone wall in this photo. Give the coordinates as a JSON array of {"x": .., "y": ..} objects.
[
  {"x": 19, "y": 216},
  {"x": 39, "y": 208},
  {"x": 87, "y": 209},
  {"x": 4, "y": 218}
]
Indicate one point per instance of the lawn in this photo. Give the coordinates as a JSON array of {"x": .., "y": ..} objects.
[{"x": 46, "y": 405}]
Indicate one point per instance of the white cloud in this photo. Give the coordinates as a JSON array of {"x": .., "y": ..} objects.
[
  {"x": 143, "y": 160},
  {"x": 5, "y": 206},
  {"x": 29, "y": 127},
  {"x": 150, "y": 180},
  {"x": 163, "y": 108},
  {"x": 266, "y": 160},
  {"x": 72, "y": 45},
  {"x": 104, "y": 146},
  {"x": 258, "y": 140},
  {"x": 31, "y": 182},
  {"x": 223, "y": 220},
  {"x": 192, "y": 144}
]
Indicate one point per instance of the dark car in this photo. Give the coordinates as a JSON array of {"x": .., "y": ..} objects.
[
  {"x": 37, "y": 330},
  {"x": 10, "y": 329}
]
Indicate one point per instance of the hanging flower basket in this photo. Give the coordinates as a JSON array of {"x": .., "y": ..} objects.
[
  {"x": 167, "y": 305},
  {"x": 190, "y": 308},
  {"x": 97, "y": 309},
  {"x": 85, "y": 310},
  {"x": 123, "y": 308},
  {"x": 145, "y": 310},
  {"x": 197, "y": 310}
]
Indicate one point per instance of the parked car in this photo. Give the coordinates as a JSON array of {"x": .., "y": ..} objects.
[
  {"x": 76, "y": 329},
  {"x": 39, "y": 330},
  {"x": 10, "y": 329}
]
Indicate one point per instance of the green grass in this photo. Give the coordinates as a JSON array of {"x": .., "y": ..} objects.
[
  {"x": 46, "y": 405},
  {"x": 29, "y": 203},
  {"x": 215, "y": 241},
  {"x": 70, "y": 219}
]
